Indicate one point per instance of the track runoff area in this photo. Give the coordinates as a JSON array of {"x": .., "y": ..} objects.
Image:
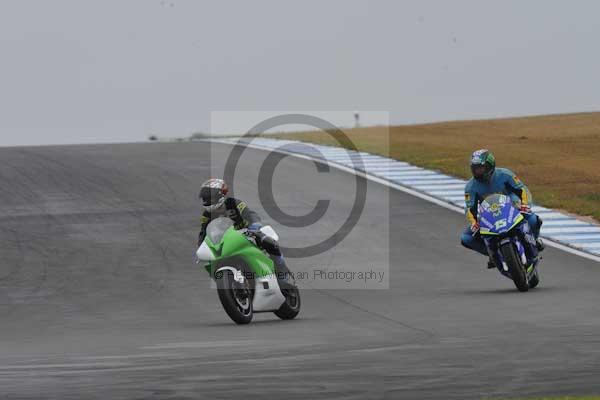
[{"x": 561, "y": 231}]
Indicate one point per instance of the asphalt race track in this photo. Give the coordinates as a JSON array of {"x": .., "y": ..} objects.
[{"x": 100, "y": 298}]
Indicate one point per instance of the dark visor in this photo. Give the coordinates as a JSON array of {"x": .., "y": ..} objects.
[
  {"x": 478, "y": 170},
  {"x": 209, "y": 196}
]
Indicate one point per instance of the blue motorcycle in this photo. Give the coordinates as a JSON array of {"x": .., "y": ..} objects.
[{"x": 509, "y": 241}]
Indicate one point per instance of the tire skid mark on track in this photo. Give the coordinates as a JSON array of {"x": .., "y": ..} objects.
[{"x": 374, "y": 313}]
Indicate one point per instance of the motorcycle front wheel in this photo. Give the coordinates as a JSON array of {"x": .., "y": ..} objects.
[
  {"x": 235, "y": 297},
  {"x": 515, "y": 266}
]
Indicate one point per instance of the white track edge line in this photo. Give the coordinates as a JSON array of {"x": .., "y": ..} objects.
[{"x": 407, "y": 190}]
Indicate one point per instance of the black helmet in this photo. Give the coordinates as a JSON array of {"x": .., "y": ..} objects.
[
  {"x": 483, "y": 165},
  {"x": 212, "y": 193}
]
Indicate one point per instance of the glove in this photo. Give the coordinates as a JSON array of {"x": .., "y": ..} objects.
[
  {"x": 525, "y": 209},
  {"x": 475, "y": 228},
  {"x": 254, "y": 227}
]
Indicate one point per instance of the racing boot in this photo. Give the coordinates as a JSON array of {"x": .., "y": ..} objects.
[
  {"x": 285, "y": 278},
  {"x": 539, "y": 244}
]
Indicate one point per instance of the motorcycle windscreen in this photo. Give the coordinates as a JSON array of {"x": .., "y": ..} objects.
[
  {"x": 497, "y": 215},
  {"x": 216, "y": 229}
]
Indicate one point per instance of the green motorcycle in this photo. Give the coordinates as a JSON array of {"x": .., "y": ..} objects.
[{"x": 244, "y": 274}]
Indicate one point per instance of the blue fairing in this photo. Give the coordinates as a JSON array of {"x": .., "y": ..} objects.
[
  {"x": 497, "y": 215},
  {"x": 501, "y": 221}
]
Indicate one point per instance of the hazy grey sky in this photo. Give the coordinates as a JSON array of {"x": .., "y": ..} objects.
[{"x": 119, "y": 70}]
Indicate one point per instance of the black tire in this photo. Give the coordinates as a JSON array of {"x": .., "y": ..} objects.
[
  {"x": 534, "y": 280},
  {"x": 291, "y": 307},
  {"x": 515, "y": 267},
  {"x": 236, "y": 299}
]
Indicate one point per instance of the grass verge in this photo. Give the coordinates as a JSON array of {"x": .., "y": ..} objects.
[{"x": 557, "y": 156}]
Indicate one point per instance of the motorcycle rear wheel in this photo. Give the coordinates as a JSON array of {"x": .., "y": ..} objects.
[
  {"x": 534, "y": 280},
  {"x": 291, "y": 306}
]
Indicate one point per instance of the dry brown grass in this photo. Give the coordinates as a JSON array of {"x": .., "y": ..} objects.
[{"x": 557, "y": 156}]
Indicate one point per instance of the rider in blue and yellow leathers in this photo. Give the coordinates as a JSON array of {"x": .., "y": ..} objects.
[{"x": 486, "y": 180}]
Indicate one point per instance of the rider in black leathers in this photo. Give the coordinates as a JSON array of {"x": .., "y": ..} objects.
[{"x": 213, "y": 194}]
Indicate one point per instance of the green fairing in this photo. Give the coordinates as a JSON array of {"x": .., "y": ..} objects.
[{"x": 235, "y": 244}]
